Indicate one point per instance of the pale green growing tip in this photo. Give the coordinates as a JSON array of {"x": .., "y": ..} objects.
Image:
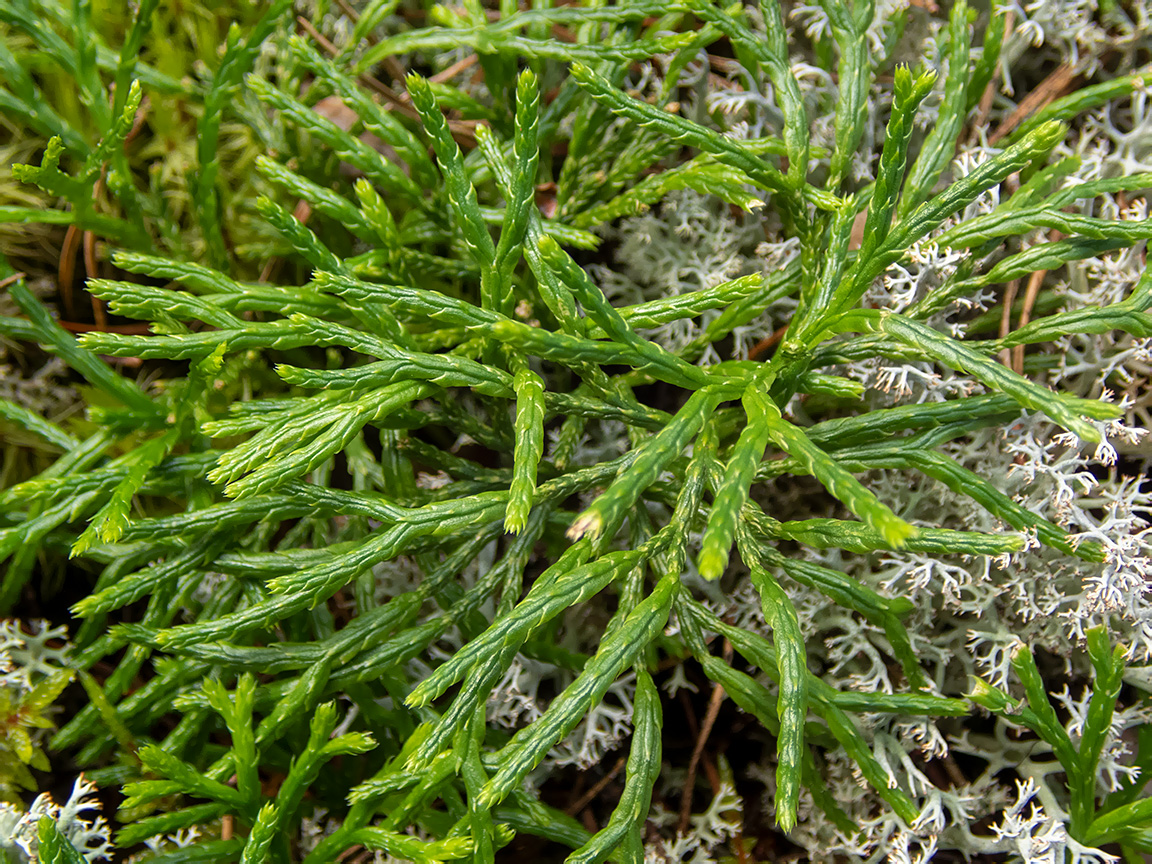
[
  {"x": 418, "y": 698},
  {"x": 1047, "y": 135},
  {"x": 587, "y": 524},
  {"x": 711, "y": 564},
  {"x": 132, "y": 104},
  {"x": 896, "y": 532},
  {"x": 548, "y": 246}
]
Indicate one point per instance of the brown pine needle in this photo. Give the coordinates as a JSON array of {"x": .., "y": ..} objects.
[
  {"x": 767, "y": 343},
  {"x": 596, "y": 789},
  {"x": 1048, "y": 90},
  {"x": 11, "y": 280},
  {"x": 1006, "y": 318},
  {"x": 714, "y": 703},
  {"x": 455, "y": 69},
  {"x": 66, "y": 270},
  {"x": 1033, "y": 290},
  {"x": 91, "y": 269}
]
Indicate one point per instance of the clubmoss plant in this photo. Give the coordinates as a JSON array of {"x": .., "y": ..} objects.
[{"x": 342, "y": 535}]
